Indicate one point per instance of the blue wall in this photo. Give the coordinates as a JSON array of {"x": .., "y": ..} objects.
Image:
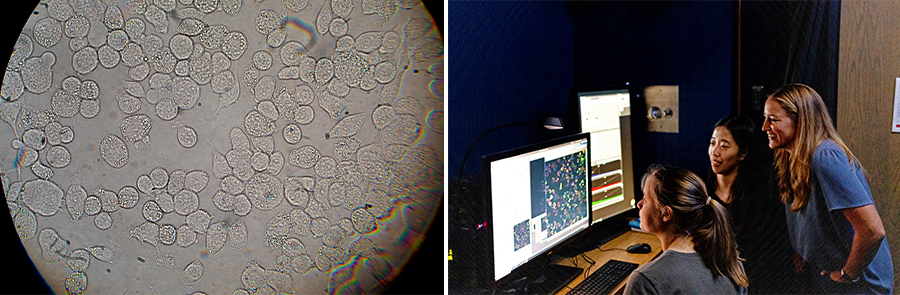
[
  {"x": 688, "y": 44},
  {"x": 509, "y": 62},
  {"x": 518, "y": 61}
]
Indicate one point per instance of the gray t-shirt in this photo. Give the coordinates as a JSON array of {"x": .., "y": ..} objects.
[{"x": 678, "y": 273}]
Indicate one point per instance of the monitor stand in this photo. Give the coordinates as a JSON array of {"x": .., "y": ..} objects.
[
  {"x": 553, "y": 278},
  {"x": 596, "y": 236},
  {"x": 546, "y": 279}
]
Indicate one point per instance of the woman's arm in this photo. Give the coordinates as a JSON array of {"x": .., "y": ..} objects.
[{"x": 869, "y": 232}]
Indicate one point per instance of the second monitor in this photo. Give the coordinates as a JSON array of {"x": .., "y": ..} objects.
[{"x": 606, "y": 115}]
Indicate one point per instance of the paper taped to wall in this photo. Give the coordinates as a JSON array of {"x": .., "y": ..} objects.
[{"x": 895, "y": 124}]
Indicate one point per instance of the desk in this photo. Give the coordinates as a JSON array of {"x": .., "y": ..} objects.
[{"x": 600, "y": 257}]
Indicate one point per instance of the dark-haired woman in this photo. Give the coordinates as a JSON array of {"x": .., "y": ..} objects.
[
  {"x": 739, "y": 179},
  {"x": 699, "y": 253}
]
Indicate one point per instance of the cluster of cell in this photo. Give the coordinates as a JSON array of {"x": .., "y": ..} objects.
[
  {"x": 26, "y": 72},
  {"x": 248, "y": 174},
  {"x": 166, "y": 193},
  {"x": 55, "y": 249},
  {"x": 41, "y": 148},
  {"x": 257, "y": 279}
]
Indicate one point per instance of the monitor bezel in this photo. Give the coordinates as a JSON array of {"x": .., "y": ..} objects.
[
  {"x": 636, "y": 105},
  {"x": 488, "y": 209}
]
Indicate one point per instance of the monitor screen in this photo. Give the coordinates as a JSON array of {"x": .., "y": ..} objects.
[
  {"x": 606, "y": 115},
  {"x": 538, "y": 198}
]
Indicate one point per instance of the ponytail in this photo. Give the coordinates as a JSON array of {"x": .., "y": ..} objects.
[
  {"x": 715, "y": 243},
  {"x": 697, "y": 215}
]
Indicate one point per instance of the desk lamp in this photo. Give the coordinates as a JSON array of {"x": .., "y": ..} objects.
[{"x": 551, "y": 123}]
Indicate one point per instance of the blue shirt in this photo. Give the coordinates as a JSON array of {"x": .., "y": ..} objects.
[{"x": 820, "y": 232}]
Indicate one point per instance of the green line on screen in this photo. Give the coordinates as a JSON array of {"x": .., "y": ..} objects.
[{"x": 604, "y": 200}]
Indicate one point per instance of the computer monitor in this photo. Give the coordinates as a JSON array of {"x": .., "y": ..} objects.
[
  {"x": 537, "y": 198},
  {"x": 606, "y": 115}
]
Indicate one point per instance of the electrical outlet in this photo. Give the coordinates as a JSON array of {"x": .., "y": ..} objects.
[{"x": 662, "y": 108}]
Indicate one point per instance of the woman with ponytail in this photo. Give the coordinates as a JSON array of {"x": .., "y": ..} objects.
[
  {"x": 699, "y": 255},
  {"x": 832, "y": 221}
]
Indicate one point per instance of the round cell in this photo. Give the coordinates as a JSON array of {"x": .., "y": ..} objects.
[
  {"x": 326, "y": 167},
  {"x": 223, "y": 201},
  {"x": 222, "y": 82},
  {"x": 35, "y": 138},
  {"x": 139, "y": 72},
  {"x": 181, "y": 46},
  {"x": 265, "y": 191},
  {"x": 44, "y": 197},
  {"x": 166, "y": 109},
  {"x": 58, "y": 156},
  {"x": 292, "y": 52},
  {"x": 231, "y": 7},
  {"x": 167, "y": 234},
  {"x": 338, "y": 27},
  {"x": 185, "y": 236},
  {"x": 259, "y": 161},
  {"x": 234, "y": 45},
  {"x": 92, "y": 205},
  {"x": 65, "y": 105},
  {"x": 276, "y": 37},
  {"x": 258, "y": 125},
  {"x": 305, "y": 114},
  {"x": 262, "y": 60},
  {"x": 47, "y": 32},
  {"x": 292, "y": 133},
  {"x": 144, "y": 184},
  {"x": 76, "y": 282},
  {"x": 108, "y": 57},
  {"x": 196, "y": 180},
  {"x": 166, "y": 201},
  {"x": 187, "y": 136},
  {"x": 186, "y": 93},
  {"x": 198, "y": 221},
  {"x": 304, "y": 157},
  {"x": 186, "y": 202},
  {"x": 103, "y": 220},
  {"x": 242, "y": 205},
  {"x": 267, "y": 109},
  {"x": 151, "y": 211},
  {"x": 85, "y": 60},
  {"x": 159, "y": 177},
  {"x": 128, "y": 197},
  {"x": 176, "y": 181}
]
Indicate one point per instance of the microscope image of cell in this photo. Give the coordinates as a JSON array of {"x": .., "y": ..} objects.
[{"x": 167, "y": 143}]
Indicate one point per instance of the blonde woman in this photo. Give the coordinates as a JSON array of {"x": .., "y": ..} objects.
[
  {"x": 699, "y": 253},
  {"x": 832, "y": 221}
]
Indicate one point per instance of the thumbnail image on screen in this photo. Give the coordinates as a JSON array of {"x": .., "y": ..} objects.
[
  {"x": 522, "y": 234},
  {"x": 606, "y": 116}
]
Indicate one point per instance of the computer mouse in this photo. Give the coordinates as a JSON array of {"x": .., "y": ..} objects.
[{"x": 639, "y": 248}]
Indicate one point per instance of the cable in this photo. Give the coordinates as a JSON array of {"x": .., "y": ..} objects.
[
  {"x": 604, "y": 250},
  {"x": 589, "y": 261}
]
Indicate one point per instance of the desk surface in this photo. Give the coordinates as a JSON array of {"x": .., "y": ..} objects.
[{"x": 600, "y": 257}]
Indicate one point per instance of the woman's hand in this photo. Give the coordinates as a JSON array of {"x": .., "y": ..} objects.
[
  {"x": 798, "y": 263},
  {"x": 836, "y": 276}
]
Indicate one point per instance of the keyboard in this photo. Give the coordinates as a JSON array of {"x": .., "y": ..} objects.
[{"x": 605, "y": 278}]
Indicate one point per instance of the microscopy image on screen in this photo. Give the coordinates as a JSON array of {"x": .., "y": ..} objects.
[
  {"x": 522, "y": 234},
  {"x": 565, "y": 202}
]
